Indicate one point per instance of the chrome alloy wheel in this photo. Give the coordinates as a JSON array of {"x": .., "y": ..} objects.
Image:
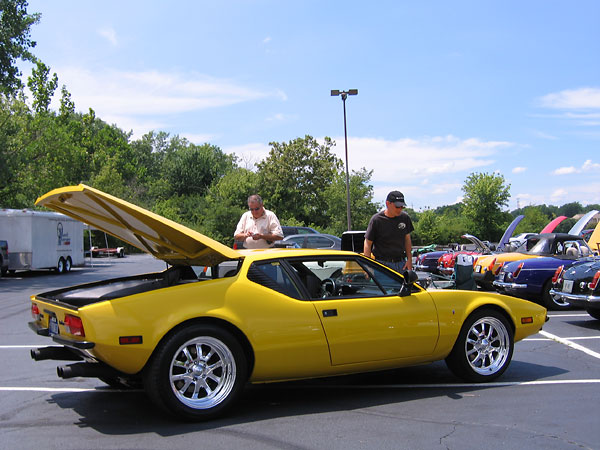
[
  {"x": 487, "y": 345},
  {"x": 202, "y": 372}
]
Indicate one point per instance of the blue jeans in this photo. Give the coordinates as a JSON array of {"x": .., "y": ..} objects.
[{"x": 398, "y": 266}]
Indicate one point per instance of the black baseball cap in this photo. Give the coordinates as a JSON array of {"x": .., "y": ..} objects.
[{"x": 397, "y": 198}]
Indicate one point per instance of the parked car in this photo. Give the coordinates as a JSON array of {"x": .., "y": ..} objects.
[
  {"x": 477, "y": 247},
  {"x": 532, "y": 278},
  {"x": 579, "y": 285},
  {"x": 288, "y": 230},
  {"x": 546, "y": 244},
  {"x": 96, "y": 252},
  {"x": 194, "y": 339},
  {"x": 3, "y": 258},
  {"x": 319, "y": 240}
]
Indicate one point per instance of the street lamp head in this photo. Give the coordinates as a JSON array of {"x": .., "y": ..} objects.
[{"x": 344, "y": 93}]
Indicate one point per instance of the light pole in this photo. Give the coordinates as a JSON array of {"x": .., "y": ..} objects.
[{"x": 345, "y": 94}]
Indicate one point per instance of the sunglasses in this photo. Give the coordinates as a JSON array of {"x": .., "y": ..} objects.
[{"x": 254, "y": 209}]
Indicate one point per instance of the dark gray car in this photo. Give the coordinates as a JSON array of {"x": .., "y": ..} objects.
[{"x": 326, "y": 241}]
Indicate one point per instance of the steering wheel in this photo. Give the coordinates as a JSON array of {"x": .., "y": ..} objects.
[{"x": 328, "y": 288}]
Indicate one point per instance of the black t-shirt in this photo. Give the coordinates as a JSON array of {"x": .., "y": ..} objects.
[{"x": 387, "y": 234}]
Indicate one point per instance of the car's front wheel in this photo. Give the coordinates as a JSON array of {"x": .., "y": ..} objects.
[
  {"x": 484, "y": 347},
  {"x": 197, "y": 373}
]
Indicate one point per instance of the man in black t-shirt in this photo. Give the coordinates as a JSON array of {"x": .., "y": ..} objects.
[{"x": 388, "y": 234}]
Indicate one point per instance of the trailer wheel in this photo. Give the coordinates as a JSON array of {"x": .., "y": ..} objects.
[
  {"x": 68, "y": 264},
  {"x": 60, "y": 266}
]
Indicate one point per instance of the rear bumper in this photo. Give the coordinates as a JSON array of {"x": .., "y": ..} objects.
[
  {"x": 509, "y": 286},
  {"x": 577, "y": 299},
  {"x": 72, "y": 343}
]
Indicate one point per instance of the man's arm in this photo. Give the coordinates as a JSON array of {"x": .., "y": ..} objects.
[
  {"x": 368, "y": 245},
  {"x": 408, "y": 249}
]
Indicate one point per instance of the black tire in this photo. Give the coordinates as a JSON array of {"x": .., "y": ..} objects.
[
  {"x": 484, "y": 347},
  {"x": 553, "y": 303},
  {"x": 68, "y": 264},
  {"x": 595, "y": 313},
  {"x": 181, "y": 380},
  {"x": 60, "y": 266}
]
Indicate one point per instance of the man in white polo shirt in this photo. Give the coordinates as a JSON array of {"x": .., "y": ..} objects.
[{"x": 258, "y": 227}]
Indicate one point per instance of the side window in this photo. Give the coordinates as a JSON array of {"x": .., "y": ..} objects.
[
  {"x": 333, "y": 278},
  {"x": 271, "y": 274}
]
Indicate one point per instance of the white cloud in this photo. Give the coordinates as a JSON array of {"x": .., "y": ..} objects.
[
  {"x": 587, "y": 166},
  {"x": 249, "y": 154},
  {"x": 198, "y": 139},
  {"x": 152, "y": 92},
  {"x": 583, "y": 98},
  {"x": 429, "y": 170},
  {"x": 414, "y": 159},
  {"x": 110, "y": 35},
  {"x": 519, "y": 169},
  {"x": 267, "y": 40}
]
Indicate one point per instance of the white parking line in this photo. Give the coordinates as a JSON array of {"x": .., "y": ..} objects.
[
  {"x": 579, "y": 338},
  {"x": 329, "y": 386},
  {"x": 569, "y": 315},
  {"x": 568, "y": 343}
]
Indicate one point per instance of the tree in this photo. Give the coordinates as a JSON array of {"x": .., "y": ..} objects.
[
  {"x": 485, "y": 194},
  {"x": 192, "y": 169},
  {"x": 533, "y": 222},
  {"x": 362, "y": 206},
  {"x": 295, "y": 176},
  {"x": 15, "y": 42},
  {"x": 41, "y": 87}
]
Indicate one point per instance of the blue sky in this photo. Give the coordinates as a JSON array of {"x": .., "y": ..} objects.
[{"x": 445, "y": 88}]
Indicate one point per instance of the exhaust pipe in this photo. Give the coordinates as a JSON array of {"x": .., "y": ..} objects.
[
  {"x": 87, "y": 370},
  {"x": 57, "y": 353}
]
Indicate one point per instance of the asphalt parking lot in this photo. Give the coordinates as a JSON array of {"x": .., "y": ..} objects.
[{"x": 547, "y": 399}]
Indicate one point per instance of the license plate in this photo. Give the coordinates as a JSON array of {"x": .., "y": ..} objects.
[
  {"x": 53, "y": 325},
  {"x": 567, "y": 286},
  {"x": 477, "y": 269}
]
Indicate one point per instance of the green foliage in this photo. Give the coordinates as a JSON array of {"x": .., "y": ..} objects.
[
  {"x": 41, "y": 87},
  {"x": 15, "y": 43},
  {"x": 294, "y": 178},
  {"x": 533, "y": 222},
  {"x": 485, "y": 195}
]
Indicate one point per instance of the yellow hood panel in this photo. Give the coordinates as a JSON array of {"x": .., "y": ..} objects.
[{"x": 151, "y": 233}]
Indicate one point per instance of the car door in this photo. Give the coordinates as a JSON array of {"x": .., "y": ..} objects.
[{"x": 366, "y": 320}]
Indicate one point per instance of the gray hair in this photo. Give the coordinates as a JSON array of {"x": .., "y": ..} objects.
[{"x": 255, "y": 198}]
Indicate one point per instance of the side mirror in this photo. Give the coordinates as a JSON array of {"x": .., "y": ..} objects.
[{"x": 410, "y": 276}]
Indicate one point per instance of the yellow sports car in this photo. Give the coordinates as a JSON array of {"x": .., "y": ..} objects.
[{"x": 218, "y": 318}]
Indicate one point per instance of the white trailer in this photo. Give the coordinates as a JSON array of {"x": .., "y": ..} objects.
[{"x": 41, "y": 240}]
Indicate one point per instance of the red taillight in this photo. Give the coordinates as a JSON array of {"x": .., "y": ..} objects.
[
  {"x": 594, "y": 282},
  {"x": 35, "y": 311},
  {"x": 74, "y": 325},
  {"x": 557, "y": 274},
  {"x": 518, "y": 271}
]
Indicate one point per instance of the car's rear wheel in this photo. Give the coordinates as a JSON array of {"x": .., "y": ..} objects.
[
  {"x": 197, "y": 373},
  {"x": 553, "y": 302},
  {"x": 484, "y": 347}
]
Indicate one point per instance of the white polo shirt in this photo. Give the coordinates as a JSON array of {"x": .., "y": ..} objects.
[{"x": 268, "y": 223}]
